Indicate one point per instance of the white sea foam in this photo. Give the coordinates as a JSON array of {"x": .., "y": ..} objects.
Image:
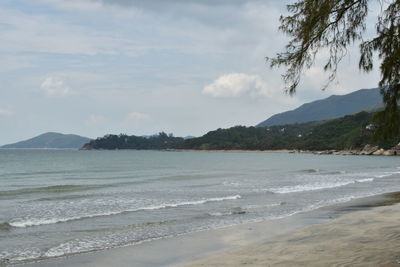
[
  {"x": 386, "y": 174},
  {"x": 315, "y": 186},
  {"x": 365, "y": 180},
  {"x": 44, "y": 221}
]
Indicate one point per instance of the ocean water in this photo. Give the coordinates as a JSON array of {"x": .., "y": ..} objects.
[{"x": 61, "y": 202}]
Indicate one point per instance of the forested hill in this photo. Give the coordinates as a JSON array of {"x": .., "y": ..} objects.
[
  {"x": 334, "y": 106},
  {"x": 349, "y": 132},
  {"x": 123, "y": 141}
]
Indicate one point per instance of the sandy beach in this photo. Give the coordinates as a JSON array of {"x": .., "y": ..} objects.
[
  {"x": 363, "y": 232},
  {"x": 361, "y": 238}
]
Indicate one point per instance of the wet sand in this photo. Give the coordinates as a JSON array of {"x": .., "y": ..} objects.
[
  {"x": 362, "y": 238},
  {"x": 363, "y": 232}
]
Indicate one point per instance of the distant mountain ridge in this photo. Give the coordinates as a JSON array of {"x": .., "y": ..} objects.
[
  {"x": 332, "y": 107},
  {"x": 52, "y": 140}
]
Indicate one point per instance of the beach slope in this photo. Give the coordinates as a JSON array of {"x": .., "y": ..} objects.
[{"x": 362, "y": 238}]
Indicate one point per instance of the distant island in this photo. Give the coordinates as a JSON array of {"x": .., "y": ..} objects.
[
  {"x": 123, "y": 141},
  {"x": 51, "y": 140}
]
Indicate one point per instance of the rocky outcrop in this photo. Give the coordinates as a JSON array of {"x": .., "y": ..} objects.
[
  {"x": 389, "y": 152},
  {"x": 396, "y": 149},
  {"x": 379, "y": 152},
  {"x": 325, "y": 152},
  {"x": 347, "y": 152},
  {"x": 369, "y": 150}
]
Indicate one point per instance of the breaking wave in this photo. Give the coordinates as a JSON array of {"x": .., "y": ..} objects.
[
  {"x": 315, "y": 186},
  {"x": 44, "y": 221},
  {"x": 48, "y": 189}
]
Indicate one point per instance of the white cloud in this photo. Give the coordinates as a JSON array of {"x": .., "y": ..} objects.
[
  {"x": 5, "y": 112},
  {"x": 54, "y": 87},
  {"x": 178, "y": 45},
  {"x": 137, "y": 116},
  {"x": 53, "y": 35},
  {"x": 96, "y": 120},
  {"x": 15, "y": 62},
  {"x": 74, "y": 4},
  {"x": 236, "y": 85}
]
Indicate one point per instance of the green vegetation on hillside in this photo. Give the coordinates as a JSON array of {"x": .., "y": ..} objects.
[
  {"x": 123, "y": 141},
  {"x": 335, "y": 106},
  {"x": 349, "y": 132},
  {"x": 251, "y": 138}
]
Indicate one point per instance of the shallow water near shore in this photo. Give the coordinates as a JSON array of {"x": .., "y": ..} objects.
[{"x": 63, "y": 202}]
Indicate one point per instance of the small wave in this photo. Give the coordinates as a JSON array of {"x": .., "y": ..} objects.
[
  {"x": 315, "y": 186},
  {"x": 310, "y": 170},
  {"x": 125, "y": 227},
  {"x": 218, "y": 214},
  {"x": 62, "y": 197},
  {"x": 266, "y": 205},
  {"x": 335, "y": 172},
  {"x": 240, "y": 210},
  {"x": 365, "y": 180},
  {"x": 382, "y": 175},
  {"x": 234, "y": 211},
  {"x": 386, "y": 174},
  {"x": 47, "y": 189},
  {"x": 44, "y": 221}
]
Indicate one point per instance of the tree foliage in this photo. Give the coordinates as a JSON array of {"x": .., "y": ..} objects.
[
  {"x": 316, "y": 25},
  {"x": 348, "y": 132},
  {"x": 123, "y": 141}
]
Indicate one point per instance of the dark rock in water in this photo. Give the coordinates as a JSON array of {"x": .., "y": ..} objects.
[
  {"x": 5, "y": 227},
  {"x": 238, "y": 210}
]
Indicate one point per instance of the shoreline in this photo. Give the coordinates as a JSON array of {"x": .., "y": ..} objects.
[
  {"x": 209, "y": 247},
  {"x": 366, "y": 151},
  {"x": 366, "y": 237}
]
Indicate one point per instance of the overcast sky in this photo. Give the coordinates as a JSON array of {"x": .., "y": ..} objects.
[{"x": 92, "y": 67}]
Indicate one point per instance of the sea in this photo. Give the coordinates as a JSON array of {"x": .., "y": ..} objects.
[{"x": 61, "y": 202}]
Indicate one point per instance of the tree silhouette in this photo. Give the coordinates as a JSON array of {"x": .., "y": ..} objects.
[{"x": 314, "y": 25}]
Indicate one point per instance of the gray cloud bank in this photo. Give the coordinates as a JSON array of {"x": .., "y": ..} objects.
[{"x": 142, "y": 66}]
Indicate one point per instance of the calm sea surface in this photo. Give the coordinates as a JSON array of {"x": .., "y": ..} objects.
[{"x": 61, "y": 202}]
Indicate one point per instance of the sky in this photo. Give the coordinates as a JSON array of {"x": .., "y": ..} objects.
[{"x": 93, "y": 67}]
